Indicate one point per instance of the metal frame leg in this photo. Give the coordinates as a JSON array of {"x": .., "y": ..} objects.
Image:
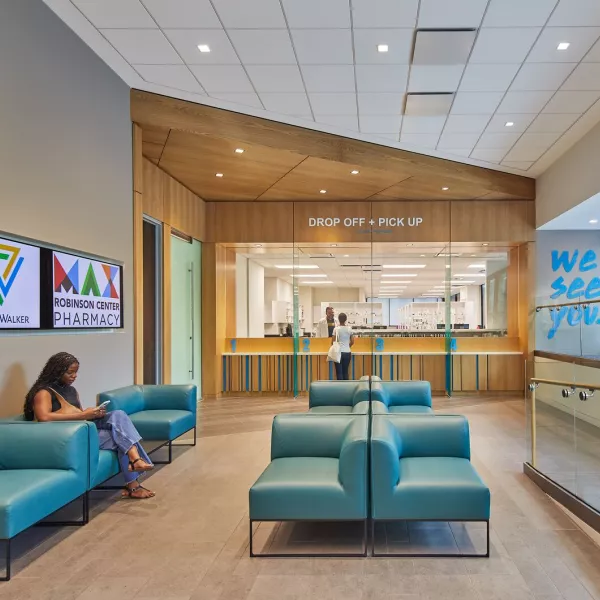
[
  {"x": 6, "y": 577},
  {"x": 85, "y": 516}
]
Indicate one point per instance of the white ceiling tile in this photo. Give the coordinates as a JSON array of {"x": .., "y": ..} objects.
[
  {"x": 492, "y": 156},
  {"x": 186, "y": 42},
  {"x": 387, "y": 136},
  {"x": 541, "y": 140},
  {"x": 384, "y": 13},
  {"x": 488, "y": 78},
  {"x": 516, "y": 13},
  {"x": 517, "y": 164},
  {"x": 115, "y": 14},
  {"x": 476, "y": 103},
  {"x": 428, "y": 105},
  {"x": 222, "y": 78},
  {"x": 429, "y": 78},
  {"x": 316, "y": 14},
  {"x": 581, "y": 39},
  {"x": 541, "y": 76},
  {"x": 263, "y": 46},
  {"x": 524, "y": 152},
  {"x": 424, "y": 140},
  {"x": 520, "y": 123},
  {"x": 380, "y": 104},
  {"x": 333, "y": 104},
  {"x": 329, "y": 78},
  {"x": 585, "y": 77},
  {"x": 594, "y": 54},
  {"x": 287, "y": 104},
  {"x": 466, "y": 123},
  {"x": 381, "y": 78},
  {"x": 345, "y": 121},
  {"x": 552, "y": 123},
  {"x": 250, "y": 14},
  {"x": 175, "y": 76},
  {"x": 249, "y": 99},
  {"x": 380, "y": 124},
  {"x": 451, "y": 14},
  {"x": 457, "y": 140},
  {"x": 276, "y": 78},
  {"x": 524, "y": 102},
  {"x": 412, "y": 124},
  {"x": 504, "y": 45},
  {"x": 173, "y": 14},
  {"x": 576, "y": 13},
  {"x": 497, "y": 141},
  {"x": 142, "y": 46},
  {"x": 571, "y": 102},
  {"x": 399, "y": 43},
  {"x": 458, "y": 151},
  {"x": 323, "y": 46}
]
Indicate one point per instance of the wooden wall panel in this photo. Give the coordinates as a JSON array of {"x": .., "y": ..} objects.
[
  {"x": 185, "y": 211},
  {"x": 138, "y": 258},
  {"x": 505, "y": 372},
  {"x": 154, "y": 191}
]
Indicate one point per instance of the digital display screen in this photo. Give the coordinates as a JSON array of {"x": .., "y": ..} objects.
[
  {"x": 86, "y": 293},
  {"x": 19, "y": 285}
]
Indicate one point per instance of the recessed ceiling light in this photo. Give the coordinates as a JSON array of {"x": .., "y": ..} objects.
[
  {"x": 258, "y": 245},
  {"x": 334, "y": 245},
  {"x": 382, "y": 48},
  {"x": 444, "y": 189},
  {"x": 485, "y": 244},
  {"x": 404, "y": 266},
  {"x": 239, "y": 150},
  {"x": 593, "y": 221},
  {"x": 563, "y": 46},
  {"x": 409, "y": 245},
  {"x": 355, "y": 172},
  {"x": 422, "y": 256},
  {"x": 322, "y": 191},
  {"x": 203, "y": 48},
  {"x": 218, "y": 174},
  {"x": 509, "y": 124}
]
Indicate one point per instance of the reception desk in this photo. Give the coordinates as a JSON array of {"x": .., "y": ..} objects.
[{"x": 476, "y": 365}]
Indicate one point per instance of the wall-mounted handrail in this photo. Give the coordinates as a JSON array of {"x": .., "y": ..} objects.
[
  {"x": 576, "y": 303},
  {"x": 567, "y": 384}
]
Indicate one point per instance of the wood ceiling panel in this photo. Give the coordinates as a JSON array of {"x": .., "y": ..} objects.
[
  {"x": 277, "y": 145},
  {"x": 194, "y": 160},
  {"x": 153, "y": 142},
  {"x": 306, "y": 180}
]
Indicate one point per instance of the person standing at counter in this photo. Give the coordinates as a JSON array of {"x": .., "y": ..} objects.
[
  {"x": 327, "y": 324},
  {"x": 343, "y": 334}
]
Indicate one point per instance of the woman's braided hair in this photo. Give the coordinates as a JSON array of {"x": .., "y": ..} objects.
[{"x": 52, "y": 372}]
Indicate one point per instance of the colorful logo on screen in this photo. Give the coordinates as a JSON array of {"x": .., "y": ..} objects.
[
  {"x": 69, "y": 281},
  {"x": 10, "y": 265}
]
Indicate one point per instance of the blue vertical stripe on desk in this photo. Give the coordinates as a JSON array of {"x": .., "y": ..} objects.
[
  {"x": 279, "y": 373},
  {"x": 411, "y": 367},
  {"x": 381, "y": 366},
  {"x": 391, "y": 368},
  {"x": 260, "y": 373},
  {"x": 353, "y": 367},
  {"x": 307, "y": 362},
  {"x": 224, "y": 373},
  {"x": 247, "y": 372}
]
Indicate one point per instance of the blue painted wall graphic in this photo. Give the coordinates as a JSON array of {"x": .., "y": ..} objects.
[
  {"x": 379, "y": 345},
  {"x": 305, "y": 344},
  {"x": 233, "y": 345}
]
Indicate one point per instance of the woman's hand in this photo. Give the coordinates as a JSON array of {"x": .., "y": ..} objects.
[{"x": 91, "y": 414}]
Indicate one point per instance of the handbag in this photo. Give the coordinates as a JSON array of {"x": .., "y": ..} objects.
[{"x": 335, "y": 352}]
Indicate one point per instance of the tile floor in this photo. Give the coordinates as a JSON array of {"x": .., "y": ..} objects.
[{"x": 190, "y": 542}]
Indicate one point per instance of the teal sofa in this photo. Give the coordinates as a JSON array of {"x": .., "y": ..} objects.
[
  {"x": 339, "y": 397},
  {"x": 161, "y": 413},
  {"x": 43, "y": 467},
  {"x": 318, "y": 472},
  {"x": 421, "y": 471},
  {"x": 401, "y": 397}
]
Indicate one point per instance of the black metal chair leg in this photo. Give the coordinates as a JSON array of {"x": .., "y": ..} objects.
[
  {"x": 7, "y": 566},
  {"x": 86, "y": 508},
  {"x": 488, "y": 538},
  {"x": 251, "y": 549}
]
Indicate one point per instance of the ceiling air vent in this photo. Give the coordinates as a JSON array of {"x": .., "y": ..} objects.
[
  {"x": 430, "y": 104},
  {"x": 443, "y": 46}
]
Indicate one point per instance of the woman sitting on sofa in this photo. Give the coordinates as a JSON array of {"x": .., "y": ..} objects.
[{"x": 53, "y": 398}]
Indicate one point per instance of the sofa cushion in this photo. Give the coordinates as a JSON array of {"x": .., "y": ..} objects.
[
  {"x": 29, "y": 495},
  {"x": 332, "y": 410},
  {"x": 162, "y": 425},
  {"x": 303, "y": 488},
  {"x": 438, "y": 488},
  {"x": 108, "y": 466},
  {"x": 411, "y": 409}
]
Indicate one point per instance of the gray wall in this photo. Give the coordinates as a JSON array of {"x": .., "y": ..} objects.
[
  {"x": 65, "y": 178},
  {"x": 573, "y": 178}
]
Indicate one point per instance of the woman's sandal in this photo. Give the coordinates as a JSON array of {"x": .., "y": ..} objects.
[
  {"x": 128, "y": 493},
  {"x": 132, "y": 468}
]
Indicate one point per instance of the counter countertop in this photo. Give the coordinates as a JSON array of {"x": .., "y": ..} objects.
[{"x": 416, "y": 353}]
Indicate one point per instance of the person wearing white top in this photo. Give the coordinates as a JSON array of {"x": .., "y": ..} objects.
[
  {"x": 345, "y": 337},
  {"x": 327, "y": 324}
]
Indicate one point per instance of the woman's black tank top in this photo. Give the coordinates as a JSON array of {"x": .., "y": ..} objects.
[{"x": 68, "y": 392}]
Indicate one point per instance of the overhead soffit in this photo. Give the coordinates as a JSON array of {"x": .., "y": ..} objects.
[{"x": 194, "y": 142}]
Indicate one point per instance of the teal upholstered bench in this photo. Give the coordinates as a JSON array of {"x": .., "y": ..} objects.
[
  {"x": 161, "y": 413},
  {"x": 421, "y": 471},
  {"x": 339, "y": 397},
  {"x": 401, "y": 397},
  {"x": 43, "y": 467},
  {"x": 318, "y": 472}
]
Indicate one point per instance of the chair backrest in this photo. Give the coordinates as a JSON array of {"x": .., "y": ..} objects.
[
  {"x": 337, "y": 393},
  {"x": 402, "y": 393},
  {"x": 174, "y": 397},
  {"x": 129, "y": 399},
  {"x": 424, "y": 436}
]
